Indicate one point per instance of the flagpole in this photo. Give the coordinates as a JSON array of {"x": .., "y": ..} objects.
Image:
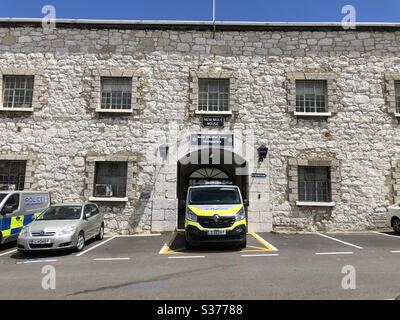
[{"x": 213, "y": 17}]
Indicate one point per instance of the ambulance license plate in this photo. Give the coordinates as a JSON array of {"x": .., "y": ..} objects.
[
  {"x": 41, "y": 241},
  {"x": 216, "y": 232}
]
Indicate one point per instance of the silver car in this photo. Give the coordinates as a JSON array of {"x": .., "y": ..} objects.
[{"x": 65, "y": 226}]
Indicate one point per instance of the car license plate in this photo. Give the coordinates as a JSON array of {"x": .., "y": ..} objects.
[
  {"x": 41, "y": 241},
  {"x": 216, "y": 232}
]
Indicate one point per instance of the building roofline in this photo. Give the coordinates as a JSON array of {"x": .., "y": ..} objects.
[{"x": 197, "y": 25}]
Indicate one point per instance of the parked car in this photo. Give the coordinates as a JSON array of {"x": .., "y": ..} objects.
[
  {"x": 215, "y": 214},
  {"x": 64, "y": 226},
  {"x": 393, "y": 217},
  {"x": 18, "y": 209}
]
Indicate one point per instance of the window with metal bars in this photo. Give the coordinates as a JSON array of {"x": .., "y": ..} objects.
[
  {"x": 213, "y": 95},
  {"x": 12, "y": 174},
  {"x": 17, "y": 92},
  {"x": 311, "y": 96},
  {"x": 111, "y": 176},
  {"x": 116, "y": 93},
  {"x": 314, "y": 184},
  {"x": 397, "y": 93}
]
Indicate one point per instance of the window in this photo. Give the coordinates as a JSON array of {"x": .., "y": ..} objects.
[
  {"x": 397, "y": 93},
  {"x": 116, "y": 93},
  {"x": 12, "y": 174},
  {"x": 110, "y": 179},
  {"x": 17, "y": 92},
  {"x": 12, "y": 202},
  {"x": 91, "y": 210},
  {"x": 311, "y": 96},
  {"x": 314, "y": 184},
  {"x": 213, "y": 95}
]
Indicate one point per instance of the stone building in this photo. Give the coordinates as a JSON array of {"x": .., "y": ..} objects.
[{"x": 304, "y": 118}]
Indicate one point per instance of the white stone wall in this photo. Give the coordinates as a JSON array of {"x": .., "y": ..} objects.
[{"x": 363, "y": 136}]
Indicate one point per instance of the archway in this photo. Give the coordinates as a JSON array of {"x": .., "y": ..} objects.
[{"x": 209, "y": 166}]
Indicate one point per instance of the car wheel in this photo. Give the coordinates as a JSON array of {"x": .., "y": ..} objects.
[
  {"x": 396, "y": 225},
  {"x": 188, "y": 245},
  {"x": 243, "y": 245},
  {"x": 80, "y": 244},
  {"x": 100, "y": 235}
]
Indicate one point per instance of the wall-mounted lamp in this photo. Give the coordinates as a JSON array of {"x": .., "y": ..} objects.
[
  {"x": 164, "y": 151},
  {"x": 262, "y": 153}
]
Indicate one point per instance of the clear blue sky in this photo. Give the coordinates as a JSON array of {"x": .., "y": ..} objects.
[{"x": 245, "y": 10}]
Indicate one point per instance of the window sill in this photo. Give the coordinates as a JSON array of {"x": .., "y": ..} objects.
[
  {"x": 105, "y": 199},
  {"x": 114, "y": 111},
  {"x": 313, "y": 114},
  {"x": 314, "y": 204},
  {"x": 222, "y": 113},
  {"x": 16, "y": 110},
  {"x": 397, "y": 115}
]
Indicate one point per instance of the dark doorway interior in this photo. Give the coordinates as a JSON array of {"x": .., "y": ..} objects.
[{"x": 208, "y": 166}]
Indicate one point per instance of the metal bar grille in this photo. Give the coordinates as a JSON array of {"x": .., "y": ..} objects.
[
  {"x": 213, "y": 94},
  {"x": 116, "y": 93},
  {"x": 18, "y": 91},
  {"x": 314, "y": 184},
  {"x": 397, "y": 92},
  {"x": 311, "y": 96}
]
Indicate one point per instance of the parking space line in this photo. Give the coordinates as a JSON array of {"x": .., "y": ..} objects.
[
  {"x": 186, "y": 257},
  {"x": 97, "y": 245},
  {"x": 138, "y": 235},
  {"x": 386, "y": 235},
  {"x": 166, "y": 249},
  {"x": 340, "y": 241},
  {"x": 8, "y": 252},
  {"x": 332, "y": 253},
  {"x": 261, "y": 255},
  {"x": 110, "y": 259},
  {"x": 395, "y": 251},
  {"x": 269, "y": 246},
  {"x": 37, "y": 261}
]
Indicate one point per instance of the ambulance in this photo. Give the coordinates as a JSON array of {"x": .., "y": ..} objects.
[
  {"x": 18, "y": 209},
  {"x": 215, "y": 214}
]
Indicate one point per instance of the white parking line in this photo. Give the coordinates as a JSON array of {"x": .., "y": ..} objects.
[
  {"x": 332, "y": 253},
  {"x": 261, "y": 255},
  {"x": 138, "y": 235},
  {"x": 186, "y": 257},
  {"x": 37, "y": 261},
  {"x": 343, "y": 242},
  {"x": 94, "y": 247},
  {"x": 8, "y": 252},
  {"x": 110, "y": 259},
  {"x": 386, "y": 235},
  {"x": 395, "y": 251}
]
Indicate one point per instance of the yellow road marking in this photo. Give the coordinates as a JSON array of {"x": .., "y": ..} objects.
[
  {"x": 269, "y": 246},
  {"x": 167, "y": 247}
]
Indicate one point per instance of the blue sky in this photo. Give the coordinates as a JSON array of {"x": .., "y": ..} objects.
[{"x": 244, "y": 10}]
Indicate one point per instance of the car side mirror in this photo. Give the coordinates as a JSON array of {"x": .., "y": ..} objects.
[
  {"x": 7, "y": 209},
  {"x": 246, "y": 202},
  {"x": 86, "y": 216}
]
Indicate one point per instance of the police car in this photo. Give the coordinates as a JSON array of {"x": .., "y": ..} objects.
[
  {"x": 215, "y": 214},
  {"x": 18, "y": 209}
]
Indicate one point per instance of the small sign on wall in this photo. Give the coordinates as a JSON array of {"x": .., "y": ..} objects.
[
  {"x": 213, "y": 121},
  {"x": 258, "y": 175}
]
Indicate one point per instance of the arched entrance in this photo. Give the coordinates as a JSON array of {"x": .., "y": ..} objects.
[{"x": 209, "y": 166}]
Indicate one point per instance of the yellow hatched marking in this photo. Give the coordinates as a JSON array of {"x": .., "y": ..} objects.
[
  {"x": 266, "y": 244},
  {"x": 168, "y": 250}
]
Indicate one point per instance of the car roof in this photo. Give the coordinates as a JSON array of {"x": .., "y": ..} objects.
[
  {"x": 214, "y": 186},
  {"x": 70, "y": 204}
]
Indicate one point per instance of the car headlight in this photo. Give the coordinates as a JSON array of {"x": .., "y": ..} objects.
[
  {"x": 24, "y": 233},
  {"x": 66, "y": 231},
  {"x": 191, "y": 216},
  {"x": 240, "y": 215}
]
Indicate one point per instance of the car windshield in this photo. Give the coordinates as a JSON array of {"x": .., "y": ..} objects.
[
  {"x": 61, "y": 213},
  {"x": 214, "y": 196},
  {"x": 2, "y": 196}
]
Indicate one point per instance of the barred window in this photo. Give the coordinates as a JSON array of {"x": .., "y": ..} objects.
[
  {"x": 17, "y": 92},
  {"x": 110, "y": 179},
  {"x": 397, "y": 92},
  {"x": 214, "y": 95},
  {"x": 12, "y": 174},
  {"x": 311, "y": 96},
  {"x": 314, "y": 184},
  {"x": 116, "y": 93}
]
